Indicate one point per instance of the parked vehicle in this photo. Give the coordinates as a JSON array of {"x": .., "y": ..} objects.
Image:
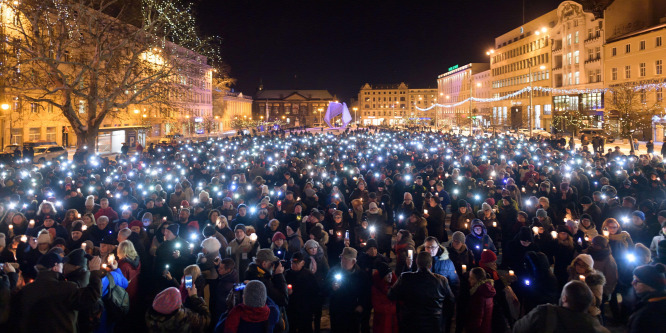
[
  {"x": 49, "y": 153},
  {"x": 591, "y": 132}
]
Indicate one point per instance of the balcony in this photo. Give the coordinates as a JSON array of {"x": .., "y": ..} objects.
[
  {"x": 593, "y": 60},
  {"x": 557, "y": 51},
  {"x": 593, "y": 38}
]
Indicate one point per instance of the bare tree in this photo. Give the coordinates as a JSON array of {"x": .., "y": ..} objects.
[
  {"x": 629, "y": 105},
  {"x": 92, "y": 59}
]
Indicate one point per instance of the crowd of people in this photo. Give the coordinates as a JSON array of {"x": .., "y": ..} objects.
[{"x": 384, "y": 230}]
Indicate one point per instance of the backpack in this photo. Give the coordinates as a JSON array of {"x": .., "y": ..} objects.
[{"x": 116, "y": 301}]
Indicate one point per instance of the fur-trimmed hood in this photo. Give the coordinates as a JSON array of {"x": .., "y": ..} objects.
[
  {"x": 442, "y": 253},
  {"x": 593, "y": 278}
]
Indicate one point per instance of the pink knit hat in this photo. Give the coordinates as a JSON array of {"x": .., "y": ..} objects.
[{"x": 167, "y": 301}]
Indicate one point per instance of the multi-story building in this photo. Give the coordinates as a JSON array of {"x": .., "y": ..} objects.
[
  {"x": 577, "y": 65},
  {"x": 394, "y": 104},
  {"x": 456, "y": 86},
  {"x": 229, "y": 105},
  {"x": 635, "y": 55},
  {"x": 521, "y": 59},
  {"x": 22, "y": 119},
  {"x": 295, "y": 107}
]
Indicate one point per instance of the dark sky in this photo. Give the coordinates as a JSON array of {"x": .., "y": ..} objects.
[{"x": 340, "y": 45}]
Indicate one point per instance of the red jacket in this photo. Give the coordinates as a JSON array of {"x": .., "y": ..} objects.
[
  {"x": 131, "y": 270},
  {"x": 480, "y": 310},
  {"x": 385, "y": 319}
]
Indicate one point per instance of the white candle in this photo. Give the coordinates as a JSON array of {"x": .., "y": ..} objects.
[
  {"x": 464, "y": 268},
  {"x": 512, "y": 273}
]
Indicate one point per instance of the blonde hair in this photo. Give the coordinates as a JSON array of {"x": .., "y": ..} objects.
[
  {"x": 92, "y": 219},
  {"x": 126, "y": 249},
  {"x": 193, "y": 270}
]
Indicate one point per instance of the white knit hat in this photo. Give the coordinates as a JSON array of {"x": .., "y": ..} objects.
[
  {"x": 211, "y": 244},
  {"x": 586, "y": 258}
]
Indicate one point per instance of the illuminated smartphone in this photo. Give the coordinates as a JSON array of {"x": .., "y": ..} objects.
[{"x": 188, "y": 281}]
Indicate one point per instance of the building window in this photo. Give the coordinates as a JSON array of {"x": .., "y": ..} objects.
[
  {"x": 643, "y": 95},
  {"x": 34, "y": 107},
  {"x": 642, "y": 45},
  {"x": 627, "y": 48},
  {"x": 577, "y": 77},
  {"x": 658, "y": 42},
  {"x": 576, "y": 57},
  {"x": 49, "y": 108},
  {"x": 627, "y": 72},
  {"x": 614, "y": 51},
  {"x": 660, "y": 95},
  {"x": 597, "y": 50},
  {"x": 641, "y": 68},
  {"x": 614, "y": 74},
  {"x": 569, "y": 39},
  {"x": 51, "y": 134},
  {"x": 17, "y": 136},
  {"x": 33, "y": 134},
  {"x": 576, "y": 38},
  {"x": 658, "y": 67},
  {"x": 598, "y": 75}
]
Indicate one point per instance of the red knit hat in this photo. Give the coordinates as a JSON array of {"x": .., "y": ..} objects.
[
  {"x": 487, "y": 256},
  {"x": 135, "y": 223},
  {"x": 278, "y": 235},
  {"x": 185, "y": 204},
  {"x": 167, "y": 301}
]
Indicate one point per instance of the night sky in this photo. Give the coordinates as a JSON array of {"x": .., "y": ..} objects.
[{"x": 340, "y": 45}]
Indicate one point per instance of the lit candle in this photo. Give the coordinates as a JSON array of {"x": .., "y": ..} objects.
[
  {"x": 464, "y": 268},
  {"x": 111, "y": 259},
  {"x": 84, "y": 227},
  {"x": 494, "y": 224},
  {"x": 425, "y": 211},
  {"x": 11, "y": 227},
  {"x": 31, "y": 224},
  {"x": 606, "y": 233},
  {"x": 581, "y": 277},
  {"x": 78, "y": 215},
  {"x": 554, "y": 234},
  {"x": 410, "y": 254},
  {"x": 104, "y": 266},
  {"x": 24, "y": 238},
  {"x": 512, "y": 273},
  {"x": 535, "y": 230}
]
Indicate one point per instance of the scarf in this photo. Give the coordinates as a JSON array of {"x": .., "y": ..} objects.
[
  {"x": 247, "y": 314},
  {"x": 313, "y": 265}
]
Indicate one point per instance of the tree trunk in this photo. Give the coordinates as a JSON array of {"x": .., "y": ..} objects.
[{"x": 86, "y": 140}]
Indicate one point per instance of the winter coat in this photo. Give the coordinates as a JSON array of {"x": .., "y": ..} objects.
[
  {"x": 655, "y": 242},
  {"x": 320, "y": 267},
  {"x": 304, "y": 287},
  {"x": 436, "y": 224},
  {"x": 649, "y": 313},
  {"x": 643, "y": 233},
  {"x": 459, "y": 258},
  {"x": 559, "y": 320},
  {"x": 385, "y": 319},
  {"x": 543, "y": 287},
  {"x": 596, "y": 281},
  {"x": 60, "y": 299},
  {"x": 418, "y": 230},
  {"x": 605, "y": 263},
  {"x": 242, "y": 253},
  {"x": 402, "y": 252},
  {"x": 206, "y": 263},
  {"x": 250, "y": 320},
  {"x": 421, "y": 296},
  {"x": 442, "y": 265},
  {"x": 354, "y": 290},
  {"x": 478, "y": 243},
  {"x": 219, "y": 290},
  {"x": 193, "y": 316},
  {"x": 131, "y": 269},
  {"x": 480, "y": 309}
]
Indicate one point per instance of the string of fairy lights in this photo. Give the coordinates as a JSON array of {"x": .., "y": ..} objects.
[{"x": 644, "y": 87}]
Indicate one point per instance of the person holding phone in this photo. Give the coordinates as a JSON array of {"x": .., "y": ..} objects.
[
  {"x": 268, "y": 269},
  {"x": 170, "y": 314}
]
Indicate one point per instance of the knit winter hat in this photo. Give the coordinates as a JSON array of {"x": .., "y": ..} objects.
[
  {"x": 485, "y": 206},
  {"x": 586, "y": 258},
  {"x": 349, "y": 253},
  {"x": 487, "y": 256},
  {"x": 44, "y": 237},
  {"x": 640, "y": 214},
  {"x": 254, "y": 294},
  {"x": 311, "y": 243},
  {"x": 458, "y": 236},
  {"x": 77, "y": 226},
  {"x": 211, "y": 244},
  {"x": 174, "y": 228},
  {"x": 278, "y": 235},
  {"x": 135, "y": 223},
  {"x": 208, "y": 231},
  {"x": 641, "y": 250},
  {"x": 370, "y": 244},
  {"x": 541, "y": 213},
  {"x": 240, "y": 226},
  {"x": 600, "y": 242},
  {"x": 167, "y": 301},
  {"x": 78, "y": 257},
  {"x": 652, "y": 275}
]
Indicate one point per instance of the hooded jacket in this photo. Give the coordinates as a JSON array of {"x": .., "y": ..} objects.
[
  {"x": 478, "y": 243},
  {"x": 480, "y": 309},
  {"x": 605, "y": 263},
  {"x": 442, "y": 265}
]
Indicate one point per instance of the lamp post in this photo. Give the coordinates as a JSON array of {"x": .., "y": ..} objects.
[{"x": 355, "y": 117}]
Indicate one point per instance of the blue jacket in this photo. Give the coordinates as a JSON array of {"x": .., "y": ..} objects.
[
  {"x": 246, "y": 327},
  {"x": 476, "y": 243},
  {"x": 442, "y": 265},
  {"x": 120, "y": 281}
]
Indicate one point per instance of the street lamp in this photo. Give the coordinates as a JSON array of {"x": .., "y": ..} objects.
[{"x": 355, "y": 117}]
